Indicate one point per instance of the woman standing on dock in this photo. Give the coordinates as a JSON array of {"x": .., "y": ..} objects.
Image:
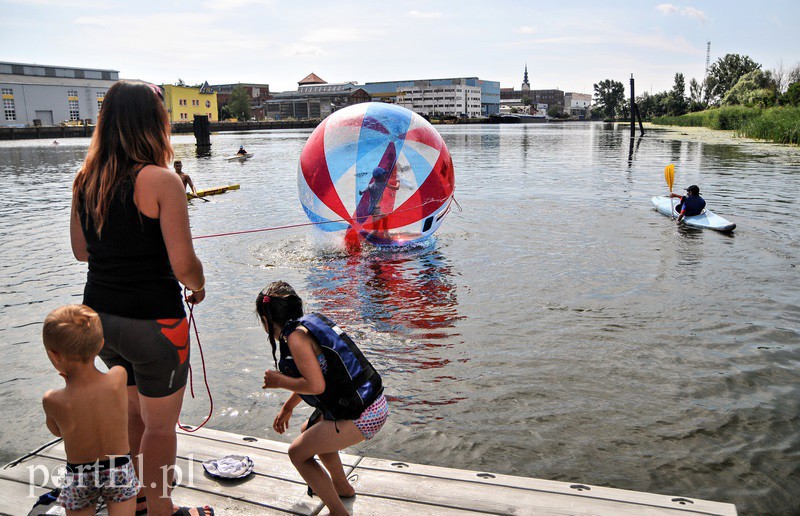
[{"x": 130, "y": 222}]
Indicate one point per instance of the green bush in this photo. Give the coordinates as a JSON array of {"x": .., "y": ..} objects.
[
  {"x": 734, "y": 117},
  {"x": 792, "y": 95},
  {"x": 780, "y": 125},
  {"x": 777, "y": 124}
]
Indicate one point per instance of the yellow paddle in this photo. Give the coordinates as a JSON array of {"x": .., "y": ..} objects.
[{"x": 669, "y": 175}]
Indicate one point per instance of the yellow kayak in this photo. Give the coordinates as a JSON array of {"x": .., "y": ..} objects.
[{"x": 212, "y": 191}]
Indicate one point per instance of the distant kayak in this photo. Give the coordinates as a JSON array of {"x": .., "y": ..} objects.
[
  {"x": 212, "y": 191},
  {"x": 707, "y": 219},
  {"x": 239, "y": 157}
]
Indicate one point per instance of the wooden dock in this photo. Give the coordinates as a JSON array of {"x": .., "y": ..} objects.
[{"x": 382, "y": 486}]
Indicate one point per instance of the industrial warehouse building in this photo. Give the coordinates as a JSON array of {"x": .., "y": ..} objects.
[
  {"x": 48, "y": 95},
  {"x": 314, "y": 98}
]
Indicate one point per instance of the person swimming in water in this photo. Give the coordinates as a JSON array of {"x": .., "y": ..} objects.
[{"x": 187, "y": 181}]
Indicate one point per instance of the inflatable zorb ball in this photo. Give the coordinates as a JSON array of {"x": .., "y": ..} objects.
[{"x": 376, "y": 170}]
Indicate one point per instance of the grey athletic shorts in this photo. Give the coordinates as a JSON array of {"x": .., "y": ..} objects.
[{"x": 154, "y": 352}]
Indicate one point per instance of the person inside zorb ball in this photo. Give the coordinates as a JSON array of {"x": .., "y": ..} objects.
[{"x": 377, "y": 172}]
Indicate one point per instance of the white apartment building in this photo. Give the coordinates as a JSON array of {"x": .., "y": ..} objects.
[
  {"x": 578, "y": 104},
  {"x": 438, "y": 100}
]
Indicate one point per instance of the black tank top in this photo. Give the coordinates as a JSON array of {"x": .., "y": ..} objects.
[{"x": 129, "y": 270}]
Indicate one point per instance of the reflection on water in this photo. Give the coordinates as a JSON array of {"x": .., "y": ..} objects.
[
  {"x": 408, "y": 295},
  {"x": 557, "y": 327}
]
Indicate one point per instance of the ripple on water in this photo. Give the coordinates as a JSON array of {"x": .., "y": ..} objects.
[{"x": 557, "y": 327}]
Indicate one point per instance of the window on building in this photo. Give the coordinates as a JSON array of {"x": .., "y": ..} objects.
[
  {"x": 195, "y": 102},
  {"x": 100, "y": 96},
  {"x": 74, "y": 107},
  {"x": 9, "y": 108}
]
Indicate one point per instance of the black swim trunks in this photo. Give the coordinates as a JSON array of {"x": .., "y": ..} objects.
[{"x": 155, "y": 353}]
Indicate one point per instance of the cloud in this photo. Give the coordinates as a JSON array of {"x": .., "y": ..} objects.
[
  {"x": 697, "y": 14},
  {"x": 231, "y": 5},
  {"x": 70, "y": 4},
  {"x": 666, "y": 9},
  {"x": 560, "y": 42},
  {"x": 690, "y": 12},
  {"x": 90, "y": 20},
  {"x": 525, "y": 29},
  {"x": 420, "y": 14},
  {"x": 295, "y": 50},
  {"x": 193, "y": 43},
  {"x": 334, "y": 35}
]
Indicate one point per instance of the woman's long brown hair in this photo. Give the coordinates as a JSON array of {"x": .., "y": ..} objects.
[{"x": 132, "y": 131}]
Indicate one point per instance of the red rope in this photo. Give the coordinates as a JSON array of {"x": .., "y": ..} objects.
[
  {"x": 289, "y": 226},
  {"x": 193, "y": 324},
  {"x": 244, "y": 232}
]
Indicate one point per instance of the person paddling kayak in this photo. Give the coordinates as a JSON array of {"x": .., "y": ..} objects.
[{"x": 690, "y": 204}]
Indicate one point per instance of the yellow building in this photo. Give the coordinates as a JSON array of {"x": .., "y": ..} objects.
[{"x": 184, "y": 103}]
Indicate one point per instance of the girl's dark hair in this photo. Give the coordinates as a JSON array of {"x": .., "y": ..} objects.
[{"x": 278, "y": 303}]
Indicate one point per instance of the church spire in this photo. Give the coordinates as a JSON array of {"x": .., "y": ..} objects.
[{"x": 525, "y": 84}]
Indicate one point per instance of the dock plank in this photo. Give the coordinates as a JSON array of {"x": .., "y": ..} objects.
[
  {"x": 265, "y": 492},
  {"x": 256, "y": 495},
  {"x": 382, "y": 486},
  {"x": 254, "y": 442},
  {"x": 268, "y": 463},
  {"x": 15, "y": 496},
  {"x": 506, "y": 494}
]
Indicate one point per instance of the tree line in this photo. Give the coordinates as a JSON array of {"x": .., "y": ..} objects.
[{"x": 732, "y": 80}]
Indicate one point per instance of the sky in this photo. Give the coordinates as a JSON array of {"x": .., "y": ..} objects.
[{"x": 568, "y": 45}]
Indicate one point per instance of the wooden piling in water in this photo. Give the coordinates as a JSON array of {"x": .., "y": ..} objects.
[
  {"x": 635, "y": 113},
  {"x": 202, "y": 134}
]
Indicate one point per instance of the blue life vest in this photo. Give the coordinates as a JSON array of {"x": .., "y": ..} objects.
[
  {"x": 693, "y": 204},
  {"x": 351, "y": 383}
]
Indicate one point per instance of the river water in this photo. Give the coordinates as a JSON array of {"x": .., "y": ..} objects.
[{"x": 556, "y": 326}]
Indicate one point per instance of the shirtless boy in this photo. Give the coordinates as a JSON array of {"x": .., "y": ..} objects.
[{"x": 90, "y": 413}]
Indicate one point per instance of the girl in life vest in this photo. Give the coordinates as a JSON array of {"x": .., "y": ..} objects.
[{"x": 322, "y": 366}]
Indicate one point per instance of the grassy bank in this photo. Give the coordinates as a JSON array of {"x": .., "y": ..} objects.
[{"x": 777, "y": 124}]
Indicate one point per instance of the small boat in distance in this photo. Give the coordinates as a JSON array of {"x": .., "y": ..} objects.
[
  {"x": 520, "y": 118},
  {"x": 239, "y": 157},
  {"x": 212, "y": 191}
]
